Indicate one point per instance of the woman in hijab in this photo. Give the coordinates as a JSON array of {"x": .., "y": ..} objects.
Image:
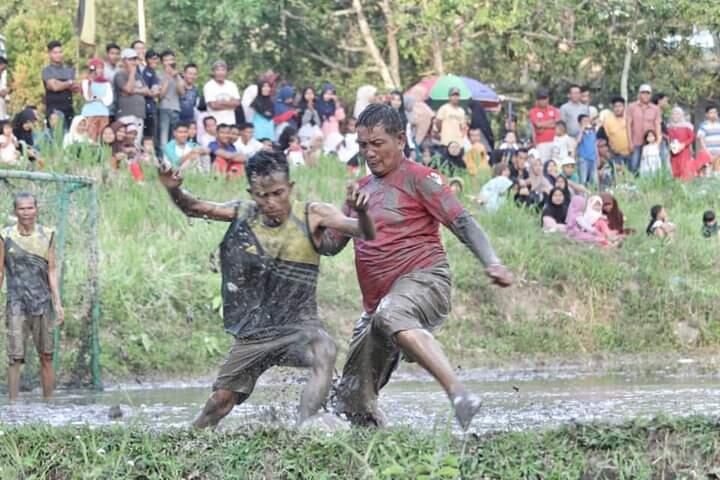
[
  {"x": 284, "y": 111},
  {"x": 364, "y": 97},
  {"x": 23, "y": 130},
  {"x": 578, "y": 221},
  {"x": 330, "y": 112},
  {"x": 450, "y": 161},
  {"x": 682, "y": 136},
  {"x": 539, "y": 185},
  {"x": 479, "y": 121},
  {"x": 264, "y": 112},
  {"x": 555, "y": 212},
  {"x": 78, "y": 133},
  {"x": 550, "y": 170}
]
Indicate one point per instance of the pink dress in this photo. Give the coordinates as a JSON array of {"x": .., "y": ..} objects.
[{"x": 575, "y": 231}]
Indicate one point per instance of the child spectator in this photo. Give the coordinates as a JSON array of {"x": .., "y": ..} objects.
[
  {"x": 507, "y": 149},
  {"x": 105, "y": 145},
  {"x": 476, "y": 156},
  {"x": 615, "y": 217},
  {"x": 710, "y": 226},
  {"x": 563, "y": 144},
  {"x": 456, "y": 185},
  {"x": 493, "y": 193},
  {"x": 555, "y": 212},
  {"x": 350, "y": 146},
  {"x": 650, "y": 161},
  {"x": 582, "y": 219},
  {"x": 587, "y": 153},
  {"x": 294, "y": 152},
  {"x": 9, "y": 145},
  {"x": 659, "y": 225}
]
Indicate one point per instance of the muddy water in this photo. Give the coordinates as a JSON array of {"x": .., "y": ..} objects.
[{"x": 512, "y": 401}]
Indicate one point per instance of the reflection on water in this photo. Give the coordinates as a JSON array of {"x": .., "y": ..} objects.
[{"x": 512, "y": 401}]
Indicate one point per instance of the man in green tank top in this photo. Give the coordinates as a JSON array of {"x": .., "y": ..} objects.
[
  {"x": 27, "y": 258},
  {"x": 269, "y": 260}
]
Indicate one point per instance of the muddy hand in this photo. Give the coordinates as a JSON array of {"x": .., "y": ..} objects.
[
  {"x": 500, "y": 275},
  {"x": 169, "y": 177},
  {"x": 356, "y": 199}
]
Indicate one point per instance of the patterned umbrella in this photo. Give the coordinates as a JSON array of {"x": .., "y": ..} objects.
[{"x": 434, "y": 90}]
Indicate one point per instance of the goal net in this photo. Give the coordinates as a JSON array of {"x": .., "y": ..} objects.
[{"x": 69, "y": 205}]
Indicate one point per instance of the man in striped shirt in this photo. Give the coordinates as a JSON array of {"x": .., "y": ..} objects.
[{"x": 709, "y": 136}]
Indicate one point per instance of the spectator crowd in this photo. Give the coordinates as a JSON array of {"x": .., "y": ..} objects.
[{"x": 139, "y": 107}]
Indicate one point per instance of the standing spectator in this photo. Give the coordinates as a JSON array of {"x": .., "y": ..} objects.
[
  {"x": 451, "y": 120},
  {"x": 189, "y": 96},
  {"x": 571, "y": 110},
  {"x": 221, "y": 95},
  {"x": 709, "y": 136},
  {"x": 615, "y": 127},
  {"x": 587, "y": 153},
  {"x": 543, "y": 117},
  {"x": 309, "y": 117},
  {"x": 59, "y": 82},
  {"x": 4, "y": 90},
  {"x": 479, "y": 121},
  {"x": 171, "y": 87},
  {"x": 98, "y": 95},
  {"x": 563, "y": 144},
  {"x": 662, "y": 101},
  {"x": 586, "y": 99},
  {"x": 642, "y": 116},
  {"x": 112, "y": 60},
  {"x": 264, "y": 111},
  {"x": 681, "y": 135},
  {"x": 149, "y": 74},
  {"x": 130, "y": 91},
  {"x": 650, "y": 161},
  {"x": 139, "y": 47}
]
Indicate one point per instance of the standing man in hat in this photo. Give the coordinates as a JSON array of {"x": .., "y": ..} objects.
[
  {"x": 221, "y": 95},
  {"x": 642, "y": 115},
  {"x": 130, "y": 91},
  {"x": 543, "y": 117},
  {"x": 451, "y": 120}
]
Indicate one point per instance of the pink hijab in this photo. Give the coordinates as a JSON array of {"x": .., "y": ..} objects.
[{"x": 574, "y": 230}]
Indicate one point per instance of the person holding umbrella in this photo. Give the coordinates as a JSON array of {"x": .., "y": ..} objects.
[{"x": 451, "y": 120}]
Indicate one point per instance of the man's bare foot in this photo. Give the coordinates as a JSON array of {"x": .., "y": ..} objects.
[{"x": 466, "y": 406}]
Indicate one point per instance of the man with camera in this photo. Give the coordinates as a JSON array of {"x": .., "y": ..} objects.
[{"x": 172, "y": 87}]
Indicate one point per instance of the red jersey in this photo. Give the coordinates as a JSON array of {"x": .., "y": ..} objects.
[
  {"x": 537, "y": 115},
  {"x": 407, "y": 206}
]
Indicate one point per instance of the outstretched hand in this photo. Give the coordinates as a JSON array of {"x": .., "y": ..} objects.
[
  {"x": 500, "y": 275},
  {"x": 356, "y": 199},
  {"x": 168, "y": 177}
]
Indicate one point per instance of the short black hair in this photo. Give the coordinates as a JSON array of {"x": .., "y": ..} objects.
[
  {"x": 181, "y": 125},
  {"x": 708, "y": 216},
  {"x": 23, "y": 196},
  {"x": 208, "y": 118},
  {"x": 112, "y": 46},
  {"x": 166, "y": 53},
  {"x": 151, "y": 54},
  {"x": 190, "y": 65},
  {"x": 581, "y": 116},
  {"x": 132, "y": 45},
  {"x": 712, "y": 106},
  {"x": 152, "y": 139},
  {"x": 657, "y": 97},
  {"x": 3, "y": 123},
  {"x": 617, "y": 99},
  {"x": 53, "y": 44},
  {"x": 561, "y": 123},
  {"x": 584, "y": 89},
  {"x": 377, "y": 114},
  {"x": 574, "y": 85},
  {"x": 223, "y": 126},
  {"x": 3, "y": 60},
  {"x": 235, "y": 126},
  {"x": 265, "y": 163},
  {"x": 245, "y": 126}
]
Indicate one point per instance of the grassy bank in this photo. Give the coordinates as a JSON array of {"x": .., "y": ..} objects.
[
  {"x": 160, "y": 293},
  {"x": 641, "y": 449}
]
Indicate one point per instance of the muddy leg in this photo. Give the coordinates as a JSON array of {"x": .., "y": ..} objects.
[
  {"x": 217, "y": 407},
  {"x": 422, "y": 346},
  {"x": 14, "y": 379},
  {"x": 47, "y": 375},
  {"x": 323, "y": 353}
]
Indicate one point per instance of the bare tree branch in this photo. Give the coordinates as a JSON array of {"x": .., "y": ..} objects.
[{"x": 371, "y": 46}]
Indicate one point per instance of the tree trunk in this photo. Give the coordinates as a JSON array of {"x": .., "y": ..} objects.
[
  {"x": 437, "y": 53},
  {"x": 626, "y": 69},
  {"x": 371, "y": 46},
  {"x": 392, "y": 29}
]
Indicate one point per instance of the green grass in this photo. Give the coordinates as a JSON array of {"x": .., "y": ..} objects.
[
  {"x": 639, "y": 449},
  {"x": 159, "y": 293}
]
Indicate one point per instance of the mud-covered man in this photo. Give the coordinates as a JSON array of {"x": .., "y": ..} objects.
[
  {"x": 403, "y": 272},
  {"x": 269, "y": 261},
  {"x": 27, "y": 257}
]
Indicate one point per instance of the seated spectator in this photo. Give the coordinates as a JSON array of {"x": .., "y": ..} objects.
[
  {"x": 350, "y": 146},
  {"x": 563, "y": 144},
  {"x": 98, "y": 94},
  {"x": 506, "y": 151},
  {"x": 539, "y": 185},
  {"x": 518, "y": 165},
  {"x": 130, "y": 153},
  {"x": 562, "y": 183},
  {"x": 615, "y": 217},
  {"x": 451, "y": 160},
  {"x": 223, "y": 154},
  {"x": 78, "y": 133},
  {"x": 210, "y": 133},
  {"x": 493, "y": 193},
  {"x": 567, "y": 169},
  {"x": 267, "y": 144},
  {"x": 550, "y": 170},
  {"x": 284, "y": 112},
  {"x": 105, "y": 145},
  {"x": 659, "y": 225},
  {"x": 182, "y": 153},
  {"x": 710, "y": 225},
  {"x": 330, "y": 111},
  {"x": 580, "y": 222},
  {"x": 118, "y": 145},
  {"x": 246, "y": 144},
  {"x": 476, "y": 155},
  {"x": 606, "y": 165},
  {"x": 9, "y": 145},
  {"x": 555, "y": 212},
  {"x": 294, "y": 151},
  {"x": 192, "y": 132},
  {"x": 264, "y": 111},
  {"x": 52, "y": 136},
  {"x": 23, "y": 125},
  {"x": 147, "y": 152}
]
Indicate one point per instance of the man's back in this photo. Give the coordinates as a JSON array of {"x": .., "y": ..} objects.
[{"x": 408, "y": 205}]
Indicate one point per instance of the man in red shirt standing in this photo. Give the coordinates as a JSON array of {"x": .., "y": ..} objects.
[
  {"x": 543, "y": 117},
  {"x": 403, "y": 273}
]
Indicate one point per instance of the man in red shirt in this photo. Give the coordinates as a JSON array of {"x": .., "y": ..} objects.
[
  {"x": 403, "y": 273},
  {"x": 543, "y": 117}
]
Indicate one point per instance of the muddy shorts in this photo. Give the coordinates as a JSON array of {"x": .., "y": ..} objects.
[
  {"x": 20, "y": 326},
  {"x": 418, "y": 300},
  {"x": 248, "y": 359}
]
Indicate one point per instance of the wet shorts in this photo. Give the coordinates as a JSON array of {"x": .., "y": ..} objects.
[
  {"x": 248, "y": 359},
  {"x": 417, "y": 300},
  {"x": 20, "y": 325}
]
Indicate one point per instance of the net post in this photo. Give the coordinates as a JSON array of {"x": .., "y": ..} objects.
[{"x": 93, "y": 263}]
